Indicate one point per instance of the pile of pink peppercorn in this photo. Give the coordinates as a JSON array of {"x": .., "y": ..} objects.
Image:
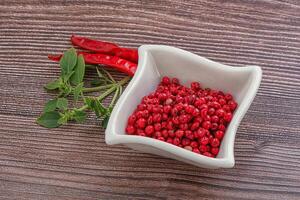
[{"x": 192, "y": 118}]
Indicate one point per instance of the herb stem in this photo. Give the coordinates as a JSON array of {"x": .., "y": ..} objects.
[
  {"x": 98, "y": 88},
  {"x": 112, "y": 103},
  {"x": 109, "y": 91},
  {"x": 109, "y": 76}
]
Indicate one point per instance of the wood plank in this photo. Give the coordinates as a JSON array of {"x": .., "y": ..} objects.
[{"x": 73, "y": 162}]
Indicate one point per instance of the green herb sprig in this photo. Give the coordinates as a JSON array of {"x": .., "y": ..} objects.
[{"x": 71, "y": 83}]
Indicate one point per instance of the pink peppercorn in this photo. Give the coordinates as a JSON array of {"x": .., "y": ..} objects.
[
  {"x": 220, "y": 112},
  {"x": 131, "y": 120},
  {"x": 204, "y": 140},
  {"x": 194, "y": 144},
  {"x": 185, "y": 142},
  {"x": 228, "y": 97},
  {"x": 232, "y": 105},
  {"x": 214, "y": 151},
  {"x": 171, "y": 133},
  {"x": 149, "y": 130},
  {"x": 175, "y": 81},
  {"x": 214, "y": 119},
  {"x": 221, "y": 127},
  {"x": 188, "y": 148},
  {"x": 169, "y": 140},
  {"x": 168, "y": 101},
  {"x": 195, "y": 126},
  {"x": 206, "y": 125},
  {"x": 196, "y": 150},
  {"x": 200, "y": 133},
  {"x": 184, "y": 126},
  {"x": 191, "y": 118},
  {"x": 189, "y": 134},
  {"x": 219, "y": 134},
  {"x": 215, "y": 142},
  {"x": 179, "y": 133},
  {"x": 176, "y": 141},
  {"x": 228, "y": 117},
  {"x": 130, "y": 129},
  {"x": 165, "y": 133},
  {"x": 202, "y": 148},
  {"x": 157, "y": 134},
  {"x": 214, "y": 126},
  {"x": 165, "y": 80},
  {"x": 157, "y": 126},
  {"x": 208, "y": 154},
  {"x": 141, "y": 134},
  {"x": 211, "y": 111},
  {"x": 165, "y": 117},
  {"x": 141, "y": 123},
  {"x": 222, "y": 101}
]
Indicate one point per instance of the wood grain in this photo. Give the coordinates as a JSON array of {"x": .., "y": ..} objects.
[{"x": 73, "y": 162}]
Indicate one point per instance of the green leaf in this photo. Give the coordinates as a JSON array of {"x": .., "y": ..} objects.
[
  {"x": 95, "y": 105},
  {"x": 77, "y": 91},
  {"x": 62, "y": 103},
  {"x": 68, "y": 76},
  {"x": 88, "y": 101},
  {"x": 105, "y": 121},
  {"x": 110, "y": 109},
  {"x": 68, "y": 61},
  {"x": 99, "y": 108},
  {"x": 53, "y": 85},
  {"x": 109, "y": 75},
  {"x": 79, "y": 70},
  {"x": 99, "y": 73},
  {"x": 63, "y": 120},
  {"x": 79, "y": 116},
  {"x": 49, "y": 119},
  {"x": 50, "y": 105}
]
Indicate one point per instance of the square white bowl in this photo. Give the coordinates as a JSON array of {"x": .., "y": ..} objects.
[{"x": 156, "y": 61}]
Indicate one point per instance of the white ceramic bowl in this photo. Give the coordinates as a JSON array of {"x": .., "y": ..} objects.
[{"x": 156, "y": 61}]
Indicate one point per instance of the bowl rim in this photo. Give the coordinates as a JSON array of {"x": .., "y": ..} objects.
[{"x": 112, "y": 137}]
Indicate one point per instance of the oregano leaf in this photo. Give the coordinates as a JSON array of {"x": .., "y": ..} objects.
[
  {"x": 68, "y": 76},
  {"x": 79, "y": 116},
  {"x": 79, "y": 70},
  {"x": 105, "y": 122},
  {"x": 95, "y": 105},
  {"x": 63, "y": 120},
  {"x": 50, "y": 105},
  {"x": 68, "y": 61},
  {"x": 88, "y": 101},
  {"x": 49, "y": 119},
  {"x": 99, "y": 108},
  {"x": 77, "y": 91},
  {"x": 53, "y": 85},
  {"x": 62, "y": 103}
]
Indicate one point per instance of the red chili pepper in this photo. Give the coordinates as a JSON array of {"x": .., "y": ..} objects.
[
  {"x": 54, "y": 57},
  {"x": 112, "y": 61},
  {"x": 94, "y": 45},
  {"x": 105, "y": 47},
  {"x": 128, "y": 54}
]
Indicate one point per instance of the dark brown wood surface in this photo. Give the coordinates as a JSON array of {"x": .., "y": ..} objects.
[{"x": 73, "y": 162}]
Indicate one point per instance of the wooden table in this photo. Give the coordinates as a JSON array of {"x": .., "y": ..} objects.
[{"x": 73, "y": 162}]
